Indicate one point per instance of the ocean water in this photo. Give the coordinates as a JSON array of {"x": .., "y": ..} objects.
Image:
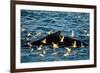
[{"x": 37, "y": 21}]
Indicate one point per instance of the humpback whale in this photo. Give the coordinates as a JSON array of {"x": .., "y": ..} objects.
[
  {"x": 56, "y": 40},
  {"x": 59, "y": 39}
]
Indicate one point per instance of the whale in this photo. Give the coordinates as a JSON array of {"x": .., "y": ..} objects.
[{"x": 57, "y": 40}]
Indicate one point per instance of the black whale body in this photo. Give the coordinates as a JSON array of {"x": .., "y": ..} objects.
[{"x": 54, "y": 38}]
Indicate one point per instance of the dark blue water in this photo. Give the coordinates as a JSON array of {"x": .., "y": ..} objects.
[{"x": 35, "y": 21}]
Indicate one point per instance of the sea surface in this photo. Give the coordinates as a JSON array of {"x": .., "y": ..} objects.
[{"x": 35, "y": 24}]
